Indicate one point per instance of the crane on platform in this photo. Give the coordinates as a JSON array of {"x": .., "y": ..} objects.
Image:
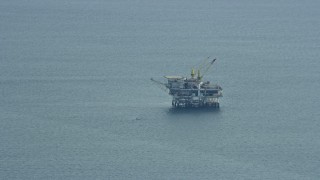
[{"x": 204, "y": 67}]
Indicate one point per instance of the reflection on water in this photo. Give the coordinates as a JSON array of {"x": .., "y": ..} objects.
[{"x": 190, "y": 110}]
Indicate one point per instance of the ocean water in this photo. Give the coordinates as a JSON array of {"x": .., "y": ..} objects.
[{"x": 76, "y": 100}]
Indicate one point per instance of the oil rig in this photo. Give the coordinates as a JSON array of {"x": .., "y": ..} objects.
[{"x": 192, "y": 92}]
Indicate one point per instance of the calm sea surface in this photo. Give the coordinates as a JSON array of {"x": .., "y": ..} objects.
[{"x": 76, "y": 100}]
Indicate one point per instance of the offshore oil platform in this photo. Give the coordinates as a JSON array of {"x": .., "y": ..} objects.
[{"x": 193, "y": 92}]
